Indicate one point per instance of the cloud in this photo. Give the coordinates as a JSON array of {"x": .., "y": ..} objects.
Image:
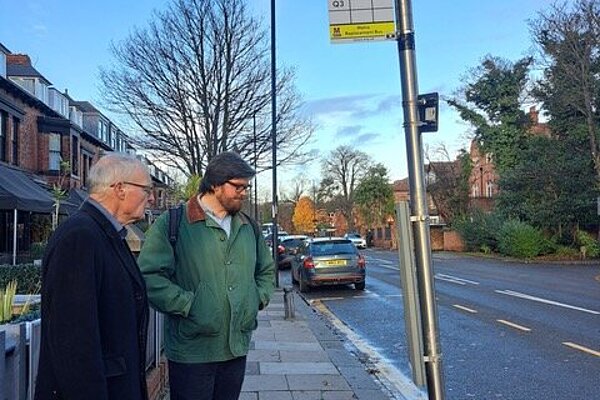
[
  {"x": 348, "y": 131},
  {"x": 340, "y": 104},
  {"x": 366, "y": 139},
  {"x": 40, "y": 30}
]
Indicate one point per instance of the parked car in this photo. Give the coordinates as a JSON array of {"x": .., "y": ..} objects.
[
  {"x": 288, "y": 247},
  {"x": 358, "y": 240},
  {"x": 326, "y": 261},
  {"x": 280, "y": 236}
]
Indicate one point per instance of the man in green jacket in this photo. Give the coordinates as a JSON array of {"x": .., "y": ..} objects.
[{"x": 211, "y": 285}]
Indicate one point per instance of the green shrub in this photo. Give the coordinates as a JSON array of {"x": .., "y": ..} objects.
[
  {"x": 592, "y": 247},
  {"x": 566, "y": 252},
  {"x": 37, "y": 249},
  {"x": 478, "y": 230},
  {"x": 518, "y": 239},
  {"x": 28, "y": 277}
]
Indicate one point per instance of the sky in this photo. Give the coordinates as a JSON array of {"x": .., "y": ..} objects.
[{"x": 351, "y": 91}]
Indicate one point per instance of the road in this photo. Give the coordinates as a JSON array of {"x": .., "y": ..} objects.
[{"x": 507, "y": 330}]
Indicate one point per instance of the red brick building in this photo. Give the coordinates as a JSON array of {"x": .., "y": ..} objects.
[{"x": 48, "y": 137}]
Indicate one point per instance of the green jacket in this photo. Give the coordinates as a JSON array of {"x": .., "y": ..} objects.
[{"x": 211, "y": 289}]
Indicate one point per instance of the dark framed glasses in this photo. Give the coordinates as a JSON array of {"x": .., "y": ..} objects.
[
  {"x": 146, "y": 188},
  {"x": 240, "y": 187}
]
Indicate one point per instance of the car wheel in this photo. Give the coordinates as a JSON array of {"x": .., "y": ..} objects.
[
  {"x": 303, "y": 286},
  {"x": 359, "y": 285}
]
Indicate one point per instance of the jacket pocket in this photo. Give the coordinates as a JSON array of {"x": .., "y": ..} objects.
[
  {"x": 249, "y": 323},
  {"x": 114, "y": 366},
  {"x": 205, "y": 315}
]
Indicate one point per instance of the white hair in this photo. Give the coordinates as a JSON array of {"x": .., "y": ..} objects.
[{"x": 113, "y": 168}]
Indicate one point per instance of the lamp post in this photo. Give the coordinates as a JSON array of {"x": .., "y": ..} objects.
[
  {"x": 255, "y": 163},
  {"x": 274, "y": 137}
]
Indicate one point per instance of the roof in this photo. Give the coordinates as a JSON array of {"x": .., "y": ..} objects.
[
  {"x": 85, "y": 106},
  {"x": 20, "y": 192},
  {"x": 21, "y": 70},
  {"x": 17, "y": 91},
  {"x": 401, "y": 185}
]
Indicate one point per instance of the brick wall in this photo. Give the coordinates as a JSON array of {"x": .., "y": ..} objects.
[
  {"x": 437, "y": 238},
  {"x": 453, "y": 241}
]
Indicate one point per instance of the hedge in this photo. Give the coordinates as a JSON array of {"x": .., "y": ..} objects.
[{"x": 28, "y": 277}]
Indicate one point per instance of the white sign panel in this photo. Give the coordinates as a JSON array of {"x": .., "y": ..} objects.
[{"x": 356, "y": 20}]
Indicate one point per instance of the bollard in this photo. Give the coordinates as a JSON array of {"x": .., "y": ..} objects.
[{"x": 288, "y": 302}]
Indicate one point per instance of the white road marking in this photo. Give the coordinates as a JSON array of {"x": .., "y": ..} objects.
[
  {"x": 442, "y": 278},
  {"x": 467, "y": 309},
  {"x": 513, "y": 325},
  {"x": 456, "y": 278},
  {"x": 311, "y": 301},
  {"x": 392, "y": 295},
  {"x": 394, "y": 380},
  {"x": 546, "y": 301},
  {"x": 582, "y": 348}
]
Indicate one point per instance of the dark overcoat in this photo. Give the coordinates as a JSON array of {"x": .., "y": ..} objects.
[{"x": 94, "y": 314}]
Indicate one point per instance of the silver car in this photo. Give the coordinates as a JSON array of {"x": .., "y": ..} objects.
[
  {"x": 358, "y": 240},
  {"x": 327, "y": 261}
]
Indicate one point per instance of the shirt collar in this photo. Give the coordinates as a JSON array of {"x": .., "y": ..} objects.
[{"x": 116, "y": 224}]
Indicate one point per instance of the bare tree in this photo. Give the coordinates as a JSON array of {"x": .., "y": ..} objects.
[
  {"x": 343, "y": 170},
  {"x": 298, "y": 188},
  {"x": 448, "y": 182},
  {"x": 195, "y": 81}
]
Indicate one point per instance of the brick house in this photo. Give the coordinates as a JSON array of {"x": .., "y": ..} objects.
[
  {"x": 41, "y": 129},
  {"x": 483, "y": 181}
]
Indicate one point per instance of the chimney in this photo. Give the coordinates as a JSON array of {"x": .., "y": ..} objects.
[
  {"x": 534, "y": 115},
  {"x": 18, "y": 59}
]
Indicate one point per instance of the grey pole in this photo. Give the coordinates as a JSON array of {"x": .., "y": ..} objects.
[
  {"x": 255, "y": 163},
  {"x": 274, "y": 241},
  {"x": 418, "y": 199},
  {"x": 15, "y": 238}
]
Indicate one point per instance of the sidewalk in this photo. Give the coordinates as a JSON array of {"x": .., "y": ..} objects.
[{"x": 304, "y": 359}]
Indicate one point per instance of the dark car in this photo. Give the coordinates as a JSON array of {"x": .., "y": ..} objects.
[
  {"x": 288, "y": 247},
  {"x": 326, "y": 261}
]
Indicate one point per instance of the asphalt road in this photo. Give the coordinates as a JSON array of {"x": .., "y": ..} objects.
[{"x": 507, "y": 330}]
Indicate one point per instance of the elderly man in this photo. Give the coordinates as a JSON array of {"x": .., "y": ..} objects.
[{"x": 94, "y": 304}]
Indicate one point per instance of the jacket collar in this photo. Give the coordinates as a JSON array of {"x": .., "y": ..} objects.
[{"x": 195, "y": 212}]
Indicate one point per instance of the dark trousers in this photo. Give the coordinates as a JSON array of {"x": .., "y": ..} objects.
[{"x": 207, "y": 381}]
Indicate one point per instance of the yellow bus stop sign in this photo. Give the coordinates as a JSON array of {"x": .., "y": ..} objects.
[{"x": 357, "y": 20}]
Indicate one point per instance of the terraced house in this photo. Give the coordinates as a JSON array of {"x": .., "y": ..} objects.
[{"x": 49, "y": 140}]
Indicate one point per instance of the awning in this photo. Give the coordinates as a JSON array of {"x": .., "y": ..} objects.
[{"x": 20, "y": 192}]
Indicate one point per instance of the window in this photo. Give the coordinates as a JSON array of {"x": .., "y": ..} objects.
[
  {"x": 2, "y": 64},
  {"x": 15, "y": 141},
  {"x": 85, "y": 168},
  {"x": 54, "y": 158},
  {"x": 75, "y": 155},
  {"x": 489, "y": 189},
  {"x": 475, "y": 190},
  {"x": 3, "y": 134}
]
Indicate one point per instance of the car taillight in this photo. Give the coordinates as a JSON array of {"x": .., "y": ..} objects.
[
  {"x": 308, "y": 263},
  {"x": 280, "y": 249},
  {"x": 361, "y": 261}
]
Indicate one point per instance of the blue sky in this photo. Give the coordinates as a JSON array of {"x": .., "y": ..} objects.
[{"x": 352, "y": 91}]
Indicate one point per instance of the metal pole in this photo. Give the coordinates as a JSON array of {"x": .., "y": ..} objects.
[
  {"x": 255, "y": 163},
  {"x": 274, "y": 139},
  {"x": 15, "y": 238},
  {"x": 419, "y": 209}
]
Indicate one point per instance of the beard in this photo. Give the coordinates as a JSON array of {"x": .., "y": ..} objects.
[{"x": 231, "y": 204}]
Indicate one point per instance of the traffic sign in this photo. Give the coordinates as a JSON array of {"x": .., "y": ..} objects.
[{"x": 358, "y": 20}]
